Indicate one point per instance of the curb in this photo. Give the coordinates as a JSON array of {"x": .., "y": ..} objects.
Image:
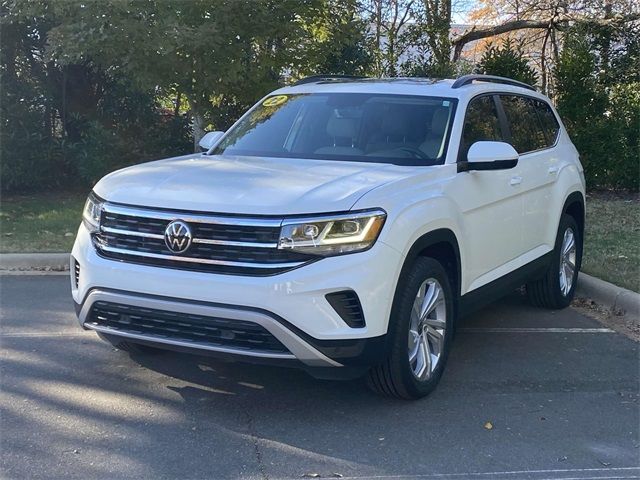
[
  {"x": 34, "y": 261},
  {"x": 607, "y": 294}
]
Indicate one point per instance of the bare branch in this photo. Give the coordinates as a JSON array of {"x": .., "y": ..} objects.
[{"x": 552, "y": 23}]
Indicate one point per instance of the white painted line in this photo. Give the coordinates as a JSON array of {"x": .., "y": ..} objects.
[
  {"x": 568, "y": 474},
  {"x": 39, "y": 273},
  {"x": 44, "y": 334},
  {"x": 534, "y": 330}
]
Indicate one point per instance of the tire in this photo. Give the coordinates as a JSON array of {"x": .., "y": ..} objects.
[
  {"x": 129, "y": 347},
  {"x": 551, "y": 291},
  {"x": 398, "y": 375}
]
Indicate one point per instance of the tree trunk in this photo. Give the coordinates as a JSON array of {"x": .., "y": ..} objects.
[{"x": 198, "y": 130}]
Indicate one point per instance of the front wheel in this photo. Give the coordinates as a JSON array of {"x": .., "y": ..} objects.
[
  {"x": 557, "y": 287},
  {"x": 420, "y": 333}
]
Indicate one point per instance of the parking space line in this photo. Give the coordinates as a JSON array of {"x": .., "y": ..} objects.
[
  {"x": 534, "y": 330},
  {"x": 44, "y": 334},
  {"x": 552, "y": 474},
  {"x": 33, "y": 273}
]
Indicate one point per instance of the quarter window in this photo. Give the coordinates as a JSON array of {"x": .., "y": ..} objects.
[
  {"x": 481, "y": 123},
  {"x": 548, "y": 120}
]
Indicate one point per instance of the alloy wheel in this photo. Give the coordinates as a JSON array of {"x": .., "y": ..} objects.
[
  {"x": 427, "y": 329},
  {"x": 568, "y": 254}
]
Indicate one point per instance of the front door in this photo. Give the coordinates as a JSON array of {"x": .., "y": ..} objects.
[{"x": 490, "y": 202}]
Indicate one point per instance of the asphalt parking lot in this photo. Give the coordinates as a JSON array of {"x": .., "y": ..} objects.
[{"x": 560, "y": 392}]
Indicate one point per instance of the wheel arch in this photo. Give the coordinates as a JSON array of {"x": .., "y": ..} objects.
[
  {"x": 574, "y": 206},
  {"x": 442, "y": 245}
]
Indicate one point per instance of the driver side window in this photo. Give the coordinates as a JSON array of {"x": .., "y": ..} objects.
[{"x": 481, "y": 123}]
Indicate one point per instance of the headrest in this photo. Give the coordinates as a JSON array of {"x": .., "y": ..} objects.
[
  {"x": 439, "y": 121},
  {"x": 341, "y": 127}
]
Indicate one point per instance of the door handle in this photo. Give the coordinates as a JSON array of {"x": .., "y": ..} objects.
[
  {"x": 515, "y": 180},
  {"x": 553, "y": 170}
]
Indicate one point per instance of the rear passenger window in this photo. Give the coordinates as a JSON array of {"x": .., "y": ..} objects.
[
  {"x": 548, "y": 120},
  {"x": 527, "y": 134},
  {"x": 481, "y": 123}
]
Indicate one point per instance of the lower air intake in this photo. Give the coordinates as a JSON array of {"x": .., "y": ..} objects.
[{"x": 347, "y": 304}]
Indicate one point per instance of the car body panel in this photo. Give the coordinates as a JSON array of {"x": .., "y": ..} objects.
[{"x": 499, "y": 225}]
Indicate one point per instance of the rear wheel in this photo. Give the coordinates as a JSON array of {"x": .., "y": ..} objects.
[
  {"x": 420, "y": 330},
  {"x": 557, "y": 287},
  {"x": 130, "y": 347}
]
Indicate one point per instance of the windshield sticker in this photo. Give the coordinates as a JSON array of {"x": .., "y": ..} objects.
[
  {"x": 275, "y": 101},
  {"x": 445, "y": 103}
]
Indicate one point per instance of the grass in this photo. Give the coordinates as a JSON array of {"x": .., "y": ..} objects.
[
  {"x": 43, "y": 222},
  {"x": 612, "y": 239},
  {"x": 48, "y": 222}
]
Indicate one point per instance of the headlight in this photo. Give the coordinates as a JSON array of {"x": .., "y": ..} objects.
[
  {"x": 91, "y": 213},
  {"x": 332, "y": 235}
]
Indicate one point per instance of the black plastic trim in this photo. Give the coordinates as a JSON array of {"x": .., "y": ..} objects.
[
  {"x": 347, "y": 304},
  {"x": 468, "y": 79},
  {"x": 325, "y": 78},
  {"x": 467, "y": 166},
  {"x": 489, "y": 293},
  {"x": 358, "y": 352}
]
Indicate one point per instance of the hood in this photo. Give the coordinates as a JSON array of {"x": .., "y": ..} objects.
[{"x": 246, "y": 185}]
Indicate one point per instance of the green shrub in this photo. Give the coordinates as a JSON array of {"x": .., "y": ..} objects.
[
  {"x": 601, "y": 113},
  {"x": 509, "y": 61}
]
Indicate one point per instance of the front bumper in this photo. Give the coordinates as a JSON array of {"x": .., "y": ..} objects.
[{"x": 291, "y": 306}]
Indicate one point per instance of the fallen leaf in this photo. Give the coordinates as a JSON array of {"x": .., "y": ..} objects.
[{"x": 488, "y": 426}]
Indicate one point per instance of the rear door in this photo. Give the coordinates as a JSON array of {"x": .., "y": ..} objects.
[{"x": 533, "y": 131}]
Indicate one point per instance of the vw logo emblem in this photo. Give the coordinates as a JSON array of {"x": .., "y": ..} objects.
[{"x": 177, "y": 236}]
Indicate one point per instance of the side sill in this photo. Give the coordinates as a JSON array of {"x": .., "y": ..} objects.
[{"x": 489, "y": 293}]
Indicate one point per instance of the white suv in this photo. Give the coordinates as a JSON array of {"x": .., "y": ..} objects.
[{"x": 342, "y": 225}]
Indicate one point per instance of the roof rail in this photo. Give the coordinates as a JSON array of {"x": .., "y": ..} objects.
[
  {"x": 327, "y": 78},
  {"x": 467, "y": 79}
]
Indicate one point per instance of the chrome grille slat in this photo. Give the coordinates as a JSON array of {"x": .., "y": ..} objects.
[
  {"x": 221, "y": 244},
  {"x": 203, "y": 260},
  {"x": 192, "y": 217}
]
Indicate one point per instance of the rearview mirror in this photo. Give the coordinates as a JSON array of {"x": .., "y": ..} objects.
[
  {"x": 489, "y": 156},
  {"x": 209, "y": 140}
]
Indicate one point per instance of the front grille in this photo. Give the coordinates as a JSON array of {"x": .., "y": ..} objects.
[
  {"x": 187, "y": 328},
  {"x": 221, "y": 244}
]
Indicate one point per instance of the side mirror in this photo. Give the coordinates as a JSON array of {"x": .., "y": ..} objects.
[
  {"x": 209, "y": 140},
  {"x": 489, "y": 156}
]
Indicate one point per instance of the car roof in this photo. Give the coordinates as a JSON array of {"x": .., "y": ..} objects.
[{"x": 405, "y": 86}]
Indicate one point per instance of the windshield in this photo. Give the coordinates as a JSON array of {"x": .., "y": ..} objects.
[{"x": 399, "y": 129}]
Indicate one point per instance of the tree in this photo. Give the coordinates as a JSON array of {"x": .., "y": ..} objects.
[
  {"x": 507, "y": 61},
  {"x": 215, "y": 52},
  {"x": 393, "y": 32},
  {"x": 601, "y": 111},
  {"x": 338, "y": 41}
]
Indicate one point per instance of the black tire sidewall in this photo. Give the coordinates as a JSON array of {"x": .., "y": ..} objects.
[{"x": 423, "y": 269}]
